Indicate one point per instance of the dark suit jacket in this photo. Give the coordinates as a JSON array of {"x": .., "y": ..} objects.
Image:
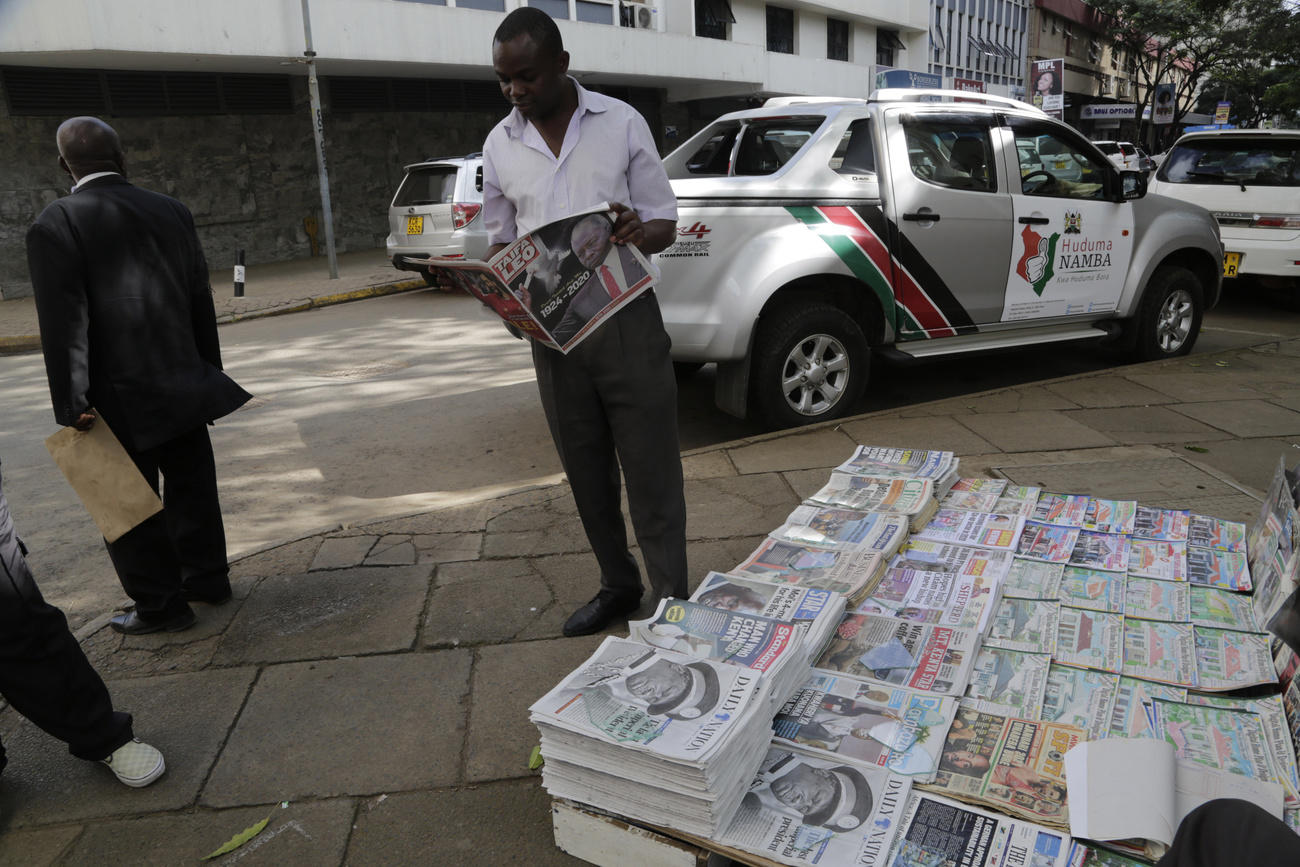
[{"x": 127, "y": 321}]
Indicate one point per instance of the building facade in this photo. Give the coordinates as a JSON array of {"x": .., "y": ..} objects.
[
  {"x": 980, "y": 45},
  {"x": 211, "y": 98}
]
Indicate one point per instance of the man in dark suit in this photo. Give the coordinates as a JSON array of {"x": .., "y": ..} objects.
[{"x": 129, "y": 334}]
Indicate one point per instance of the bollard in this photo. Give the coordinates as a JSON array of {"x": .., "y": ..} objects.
[{"x": 239, "y": 274}]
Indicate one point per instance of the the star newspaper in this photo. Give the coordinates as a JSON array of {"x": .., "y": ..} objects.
[
  {"x": 558, "y": 283},
  {"x": 963, "y": 671}
]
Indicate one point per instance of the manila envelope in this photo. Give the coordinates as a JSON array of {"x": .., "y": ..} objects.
[{"x": 105, "y": 478}]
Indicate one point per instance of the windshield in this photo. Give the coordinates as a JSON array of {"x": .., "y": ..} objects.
[
  {"x": 766, "y": 144},
  {"x": 1263, "y": 161},
  {"x": 427, "y": 185}
]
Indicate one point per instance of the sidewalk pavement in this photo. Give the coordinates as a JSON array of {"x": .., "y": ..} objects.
[
  {"x": 269, "y": 290},
  {"x": 366, "y": 691}
]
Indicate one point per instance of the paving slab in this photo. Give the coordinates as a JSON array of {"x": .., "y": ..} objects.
[
  {"x": 1145, "y": 424},
  {"x": 343, "y": 552},
  {"x": 944, "y": 434},
  {"x": 1144, "y": 480},
  {"x": 36, "y": 848},
  {"x": 1024, "y": 399},
  {"x": 507, "y": 679},
  {"x": 1245, "y": 418},
  {"x": 448, "y": 547},
  {"x": 483, "y": 570},
  {"x": 351, "y": 726},
  {"x": 563, "y": 534},
  {"x": 1193, "y": 387},
  {"x": 823, "y": 447},
  {"x": 1034, "y": 430},
  {"x": 1288, "y": 398},
  {"x": 710, "y": 464},
  {"x": 282, "y": 559},
  {"x": 1107, "y": 390},
  {"x": 485, "y": 612},
  {"x": 734, "y": 506},
  {"x": 314, "y": 833},
  {"x": 448, "y": 827},
  {"x": 392, "y": 550},
  {"x": 1251, "y": 463},
  {"x": 186, "y": 716},
  {"x": 366, "y": 609}
]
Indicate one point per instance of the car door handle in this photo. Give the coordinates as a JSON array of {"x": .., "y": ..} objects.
[
  {"x": 921, "y": 218},
  {"x": 1035, "y": 221}
]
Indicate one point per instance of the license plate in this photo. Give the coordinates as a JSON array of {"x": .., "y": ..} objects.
[
  {"x": 1231, "y": 262},
  {"x": 415, "y": 225}
]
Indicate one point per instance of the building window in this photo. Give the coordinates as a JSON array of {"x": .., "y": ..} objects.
[
  {"x": 887, "y": 43},
  {"x": 553, "y": 8},
  {"x": 712, "y": 18},
  {"x": 780, "y": 30},
  {"x": 837, "y": 39},
  {"x": 594, "y": 11},
  {"x": 485, "y": 5}
]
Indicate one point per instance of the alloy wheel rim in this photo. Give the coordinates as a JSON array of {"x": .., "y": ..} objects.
[
  {"x": 815, "y": 375},
  {"x": 1174, "y": 322}
]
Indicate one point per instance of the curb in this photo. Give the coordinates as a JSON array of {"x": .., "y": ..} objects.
[{"x": 32, "y": 342}]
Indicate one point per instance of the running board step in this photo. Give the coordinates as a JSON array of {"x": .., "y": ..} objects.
[{"x": 987, "y": 340}]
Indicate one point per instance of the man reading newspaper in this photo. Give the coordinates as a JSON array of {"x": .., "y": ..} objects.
[{"x": 612, "y": 400}]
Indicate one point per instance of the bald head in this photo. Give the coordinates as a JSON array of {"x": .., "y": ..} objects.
[{"x": 88, "y": 145}]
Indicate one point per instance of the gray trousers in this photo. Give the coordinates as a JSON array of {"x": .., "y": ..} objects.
[
  {"x": 44, "y": 673},
  {"x": 611, "y": 402}
]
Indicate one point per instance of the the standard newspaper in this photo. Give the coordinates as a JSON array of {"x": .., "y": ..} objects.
[
  {"x": 890, "y": 727},
  {"x": 809, "y": 809},
  {"x": 557, "y": 283}
]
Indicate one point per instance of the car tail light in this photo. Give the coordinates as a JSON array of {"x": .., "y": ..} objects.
[
  {"x": 463, "y": 214},
  {"x": 1276, "y": 221}
]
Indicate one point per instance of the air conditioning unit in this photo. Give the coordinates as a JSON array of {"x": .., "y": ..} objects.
[{"x": 640, "y": 14}]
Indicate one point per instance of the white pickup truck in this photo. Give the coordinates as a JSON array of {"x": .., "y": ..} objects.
[{"x": 813, "y": 232}]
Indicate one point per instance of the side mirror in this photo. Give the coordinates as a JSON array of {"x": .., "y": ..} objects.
[{"x": 1132, "y": 185}]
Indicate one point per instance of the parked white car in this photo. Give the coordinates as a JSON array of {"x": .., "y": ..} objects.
[
  {"x": 813, "y": 233},
  {"x": 1122, "y": 154},
  {"x": 435, "y": 212},
  {"x": 1250, "y": 180}
]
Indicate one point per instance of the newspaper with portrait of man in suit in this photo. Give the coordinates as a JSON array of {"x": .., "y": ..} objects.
[{"x": 558, "y": 283}]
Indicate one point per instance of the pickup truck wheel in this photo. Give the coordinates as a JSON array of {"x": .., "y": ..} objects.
[
  {"x": 810, "y": 364},
  {"x": 1169, "y": 318}
]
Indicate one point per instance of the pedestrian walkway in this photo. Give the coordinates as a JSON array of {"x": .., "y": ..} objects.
[
  {"x": 366, "y": 691},
  {"x": 269, "y": 290}
]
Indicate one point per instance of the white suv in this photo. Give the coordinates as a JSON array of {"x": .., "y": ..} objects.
[
  {"x": 435, "y": 212},
  {"x": 1250, "y": 180},
  {"x": 1122, "y": 154}
]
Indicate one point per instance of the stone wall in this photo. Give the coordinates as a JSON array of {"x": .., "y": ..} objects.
[{"x": 251, "y": 180}]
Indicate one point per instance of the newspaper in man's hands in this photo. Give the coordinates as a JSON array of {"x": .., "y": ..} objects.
[{"x": 558, "y": 283}]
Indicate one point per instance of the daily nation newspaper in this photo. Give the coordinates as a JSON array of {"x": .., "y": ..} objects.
[
  {"x": 810, "y": 809},
  {"x": 888, "y": 727},
  {"x": 558, "y": 283}
]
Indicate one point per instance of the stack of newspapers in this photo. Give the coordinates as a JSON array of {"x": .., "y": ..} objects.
[
  {"x": 658, "y": 736},
  {"x": 814, "y": 612}
]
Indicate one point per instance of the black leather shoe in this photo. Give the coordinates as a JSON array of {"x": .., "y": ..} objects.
[
  {"x": 189, "y": 594},
  {"x": 132, "y": 623},
  {"x": 600, "y": 612}
]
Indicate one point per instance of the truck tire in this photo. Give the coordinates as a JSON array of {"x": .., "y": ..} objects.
[
  {"x": 1169, "y": 317},
  {"x": 810, "y": 364}
]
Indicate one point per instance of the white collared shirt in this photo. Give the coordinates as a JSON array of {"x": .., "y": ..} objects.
[
  {"x": 608, "y": 155},
  {"x": 90, "y": 177}
]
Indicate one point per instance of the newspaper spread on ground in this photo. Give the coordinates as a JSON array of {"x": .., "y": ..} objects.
[
  {"x": 804, "y": 808},
  {"x": 1134, "y": 712},
  {"x": 927, "y": 596},
  {"x": 850, "y": 571},
  {"x": 1043, "y": 541},
  {"x": 1153, "y": 599},
  {"x": 911, "y": 497},
  {"x": 1169, "y": 525},
  {"x": 1080, "y": 698},
  {"x": 976, "y": 495},
  {"x": 1090, "y": 639},
  {"x": 779, "y": 601},
  {"x": 1018, "y": 500},
  {"x": 940, "y": 557},
  {"x": 1218, "y": 738},
  {"x": 1211, "y": 567},
  {"x": 1163, "y": 652},
  {"x": 1007, "y": 763},
  {"x": 891, "y": 652},
  {"x": 1067, "y": 510},
  {"x": 889, "y": 727},
  {"x": 945, "y": 833},
  {"x": 839, "y": 527},
  {"x": 1157, "y": 558},
  {"x": 1033, "y": 579},
  {"x": 1009, "y": 682},
  {"x": 1024, "y": 624},
  {"x": 1220, "y": 608},
  {"x": 1105, "y": 551},
  {"x": 1093, "y": 589},
  {"x": 558, "y": 283},
  {"x": 1110, "y": 516},
  {"x": 1272, "y": 715},
  {"x": 885, "y": 462},
  {"x": 1227, "y": 659},
  {"x": 1209, "y": 532},
  {"x": 980, "y": 529}
]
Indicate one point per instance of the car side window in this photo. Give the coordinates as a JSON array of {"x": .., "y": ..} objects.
[
  {"x": 951, "y": 152},
  {"x": 1063, "y": 169},
  {"x": 766, "y": 145},
  {"x": 856, "y": 152},
  {"x": 714, "y": 156}
]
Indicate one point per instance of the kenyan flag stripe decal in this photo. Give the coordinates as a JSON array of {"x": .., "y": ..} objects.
[
  {"x": 918, "y": 305},
  {"x": 851, "y": 253}
]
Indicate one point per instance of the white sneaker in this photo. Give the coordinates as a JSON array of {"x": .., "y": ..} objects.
[{"x": 136, "y": 764}]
